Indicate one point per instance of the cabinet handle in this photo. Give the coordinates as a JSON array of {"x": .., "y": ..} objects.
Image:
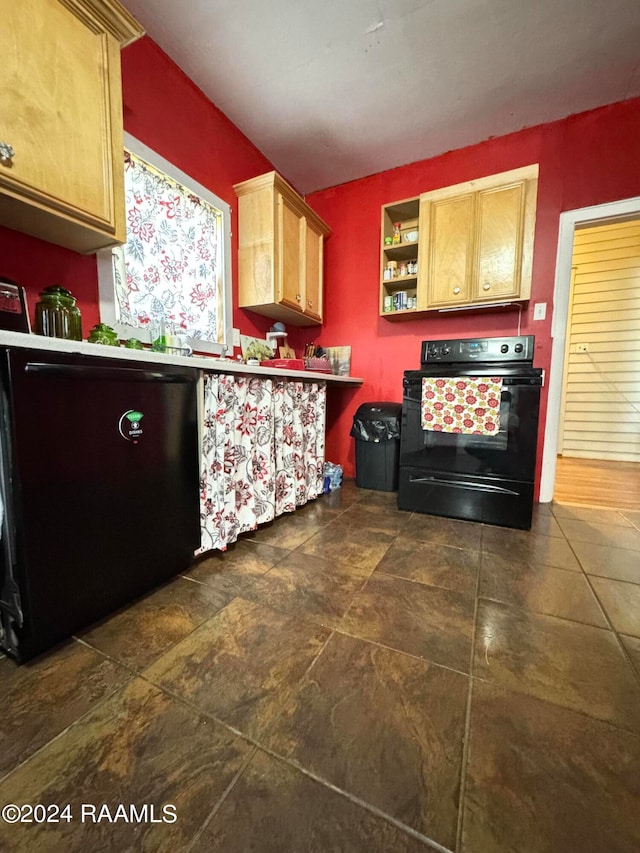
[
  {"x": 456, "y": 290},
  {"x": 6, "y": 151},
  {"x": 298, "y": 297},
  {"x": 309, "y": 303},
  {"x": 486, "y": 287}
]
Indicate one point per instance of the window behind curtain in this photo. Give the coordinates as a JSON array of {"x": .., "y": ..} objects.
[{"x": 175, "y": 261}]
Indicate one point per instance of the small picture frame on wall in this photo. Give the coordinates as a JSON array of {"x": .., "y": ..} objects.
[{"x": 340, "y": 359}]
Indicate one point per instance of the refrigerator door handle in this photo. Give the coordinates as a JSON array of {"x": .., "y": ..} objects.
[{"x": 120, "y": 374}]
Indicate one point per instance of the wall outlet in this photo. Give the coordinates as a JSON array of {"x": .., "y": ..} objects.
[
  {"x": 236, "y": 337},
  {"x": 540, "y": 311},
  {"x": 582, "y": 347}
]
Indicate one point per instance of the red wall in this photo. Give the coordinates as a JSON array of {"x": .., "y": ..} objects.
[{"x": 587, "y": 159}]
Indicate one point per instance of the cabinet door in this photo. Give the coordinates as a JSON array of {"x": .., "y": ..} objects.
[
  {"x": 450, "y": 254},
  {"x": 499, "y": 218},
  {"x": 290, "y": 252},
  {"x": 257, "y": 277},
  {"x": 60, "y": 110},
  {"x": 313, "y": 273}
]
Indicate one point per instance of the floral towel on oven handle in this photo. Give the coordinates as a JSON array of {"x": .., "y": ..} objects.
[{"x": 462, "y": 405}]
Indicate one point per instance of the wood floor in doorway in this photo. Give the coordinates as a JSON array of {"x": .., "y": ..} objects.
[{"x": 595, "y": 482}]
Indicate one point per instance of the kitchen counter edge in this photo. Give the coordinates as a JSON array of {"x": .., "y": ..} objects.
[{"x": 197, "y": 362}]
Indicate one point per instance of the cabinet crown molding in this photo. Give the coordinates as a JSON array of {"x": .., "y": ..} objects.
[
  {"x": 524, "y": 173},
  {"x": 273, "y": 180},
  {"x": 107, "y": 16}
]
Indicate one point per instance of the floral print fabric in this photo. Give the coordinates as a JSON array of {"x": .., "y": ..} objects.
[
  {"x": 262, "y": 452},
  {"x": 172, "y": 255},
  {"x": 461, "y": 405}
]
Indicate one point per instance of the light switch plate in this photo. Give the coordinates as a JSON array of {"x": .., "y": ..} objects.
[
  {"x": 540, "y": 311},
  {"x": 236, "y": 337}
]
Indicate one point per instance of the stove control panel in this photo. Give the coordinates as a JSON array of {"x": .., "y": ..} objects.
[{"x": 466, "y": 350}]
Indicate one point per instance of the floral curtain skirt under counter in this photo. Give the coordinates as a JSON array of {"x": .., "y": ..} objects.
[{"x": 262, "y": 452}]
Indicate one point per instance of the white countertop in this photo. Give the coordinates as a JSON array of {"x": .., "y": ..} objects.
[{"x": 210, "y": 363}]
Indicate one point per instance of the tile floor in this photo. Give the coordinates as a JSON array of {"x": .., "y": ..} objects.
[{"x": 351, "y": 678}]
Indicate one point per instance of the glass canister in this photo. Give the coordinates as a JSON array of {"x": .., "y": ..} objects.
[
  {"x": 133, "y": 343},
  {"x": 104, "y": 334},
  {"x": 76, "y": 320},
  {"x": 57, "y": 315}
]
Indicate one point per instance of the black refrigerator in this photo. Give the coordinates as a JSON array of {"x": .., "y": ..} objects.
[{"x": 99, "y": 488}]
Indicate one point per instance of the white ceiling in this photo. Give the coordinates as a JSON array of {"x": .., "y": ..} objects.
[{"x": 331, "y": 92}]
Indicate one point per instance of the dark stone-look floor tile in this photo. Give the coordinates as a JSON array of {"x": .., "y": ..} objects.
[
  {"x": 383, "y": 726},
  {"x": 616, "y": 536},
  {"x": 632, "y": 645},
  {"x": 542, "y": 509},
  {"x": 40, "y": 699},
  {"x": 140, "y": 746},
  {"x": 590, "y": 514},
  {"x": 329, "y": 506},
  {"x": 544, "y": 524},
  {"x": 432, "y": 623},
  {"x": 312, "y": 588},
  {"x": 374, "y": 497},
  {"x": 241, "y": 664},
  {"x": 287, "y": 531},
  {"x": 444, "y": 531},
  {"x": 543, "y": 589},
  {"x": 242, "y": 559},
  {"x": 345, "y": 496},
  {"x": 528, "y": 547},
  {"x": 357, "y": 546},
  {"x": 576, "y": 666},
  {"x": 621, "y": 602},
  {"x": 375, "y": 517},
  {"x": 432, "y": 564},
  {"x": 140, "y": 633},
  {"x": 543, "y": 779},
  {"x": 274, "y": 808},
  {"x": 618, "y": 563}
]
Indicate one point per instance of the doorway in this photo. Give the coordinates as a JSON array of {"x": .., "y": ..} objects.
[{"x": 570, "y": 220}]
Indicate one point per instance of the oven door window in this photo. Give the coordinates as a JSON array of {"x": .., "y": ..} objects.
[{"x": 509, "y": 453}]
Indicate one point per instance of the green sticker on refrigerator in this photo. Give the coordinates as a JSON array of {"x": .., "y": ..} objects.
[{"x": 129, "y": 425}]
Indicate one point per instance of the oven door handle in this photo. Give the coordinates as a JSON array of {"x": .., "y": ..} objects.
[{"x": 462, "y": 484}]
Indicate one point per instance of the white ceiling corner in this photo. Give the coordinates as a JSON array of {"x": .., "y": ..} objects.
[{"x": 333, "y": 92}]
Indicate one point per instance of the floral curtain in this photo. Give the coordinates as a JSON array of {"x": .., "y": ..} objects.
[
  {"x": 172, "y": 255},
  {"x": 262, "y": 452}
]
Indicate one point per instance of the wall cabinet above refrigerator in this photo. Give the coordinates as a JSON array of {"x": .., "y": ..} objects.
[{"x": 61, "y": 138}]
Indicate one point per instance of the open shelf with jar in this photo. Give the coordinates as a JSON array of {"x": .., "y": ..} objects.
[{"x": 399, "y": 257}]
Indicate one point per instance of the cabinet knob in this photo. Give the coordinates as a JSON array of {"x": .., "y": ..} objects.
[
  {"x": 486, "y": 287},
  {"x": 309, "y": 303},
  {"x": 6, "y": 151},
  {"x": 298, "y": 297},
  {"x": 456, "y": 290}
]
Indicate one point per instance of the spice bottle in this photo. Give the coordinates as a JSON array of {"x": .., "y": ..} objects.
[{"x": 396, "y": 233}]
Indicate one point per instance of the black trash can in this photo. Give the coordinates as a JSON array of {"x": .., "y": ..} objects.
[{"x": 376, "y": 429}]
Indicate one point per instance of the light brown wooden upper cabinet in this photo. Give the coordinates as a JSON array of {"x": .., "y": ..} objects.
[
  {"x": 61, "y": 137},
  {"x": 476, "y": 241},
  {"x": 280, "y": 249}
]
